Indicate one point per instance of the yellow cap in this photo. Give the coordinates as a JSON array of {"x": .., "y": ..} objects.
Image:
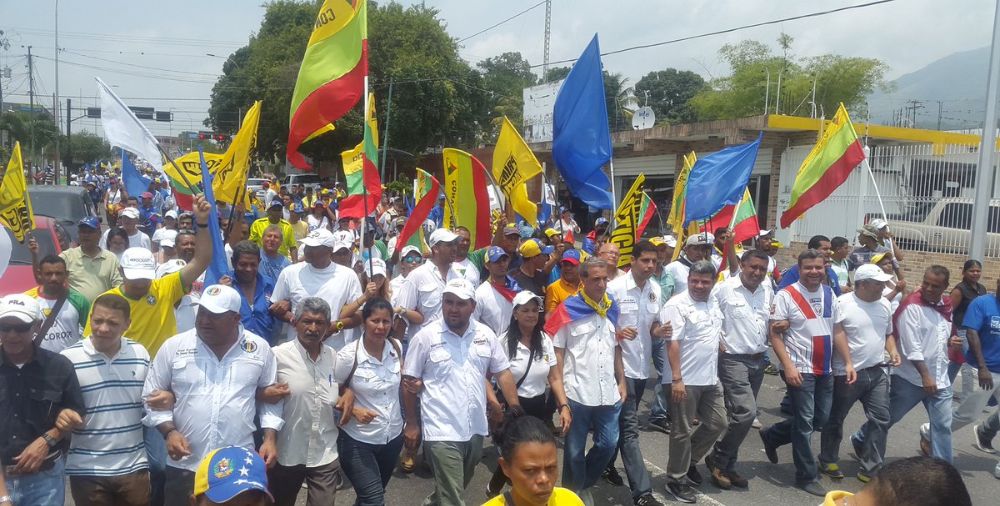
[{"x": 529, "y": 249}]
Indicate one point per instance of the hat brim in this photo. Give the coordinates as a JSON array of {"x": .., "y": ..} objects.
[
  {"x": 570, "y": 261},
  {"x": 223, "y": 494},
  {"x": 213, "y": 308},
  {"x": 460, "y": 293},
  {"x": 20, "y": 315},
  {"x": 134, "y": 274}
]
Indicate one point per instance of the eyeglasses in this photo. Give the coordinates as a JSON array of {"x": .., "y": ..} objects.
[
  {"x": 22, "y": 328},
  {"x": 413, "y": 260}
]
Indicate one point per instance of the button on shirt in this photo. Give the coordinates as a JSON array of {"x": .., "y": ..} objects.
[
  {"x": 589, "y": 360},
  {"x": 376, "y": 388},
  {"x": 453, "y": 368},
  {"x": 640, "y": 308},
  {"x": 923, "y": 335},
  {"x": 697, "y": 326},
  {"x": 91, "y": 275},
  {"x": 216, "y": 398},
  {"x": 866, "y": 325},
  {"x": 745, "y": 315},
  {"x": 422, "y": 292},
  {"x": 309, "y": 436}
]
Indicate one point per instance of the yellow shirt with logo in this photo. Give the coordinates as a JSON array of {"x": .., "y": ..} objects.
[
  {"x": 153, "y": 319},
  {"x": 560, "y": 497},
  {"x": 288, "y": 234}
]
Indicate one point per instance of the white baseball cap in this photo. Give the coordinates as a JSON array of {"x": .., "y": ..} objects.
[
  {"x": 878, "y": 223},
  {"x": 410, "y": 249},
  {"x": 525, "y": 296},
  {"x": 441, "y": 235},
  {"x": 318, "y": 237},
  {"x": 872, "y": 272},
  {"x": 375, "y": 267},
  {"x": 343, "y": 239},
  {"x": 169, "y": 267},
  {"x": 130, "y": 212},
  {"x": 171, "y": 214},
  {"x": 461, "y": 287},
  {"x": 670, "y": 241},
  {"x": 220, "y": 299},
  {"x": 169, "y": 238},
  {"x": 20, "y": 306},
  {"x": 138, "y": 263},
  {"x": 700, "y": 239}
]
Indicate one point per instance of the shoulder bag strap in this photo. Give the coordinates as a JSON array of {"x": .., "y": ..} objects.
[{"x": 49, "y": 321}]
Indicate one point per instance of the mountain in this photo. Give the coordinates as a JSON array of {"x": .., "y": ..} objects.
[{"x": 958, "y": 81}]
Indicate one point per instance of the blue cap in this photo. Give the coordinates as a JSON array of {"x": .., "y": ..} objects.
[
  {"x": 249, "y": 217},
  {"x": 547, "y": 250},
  {"x": 228, "y": 472},
  {"x": 275, "y": 203},
  {"x": 601, "y": 221},
  {"x": 90, "y": 221},
  {"x": 526, "y": 231},
  {"x": 572, "y": 256},
  {"x": 495, "y": 253},
  {"x": 297, "y": 208}
]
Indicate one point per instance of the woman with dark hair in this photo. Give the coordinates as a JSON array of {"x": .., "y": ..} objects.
[
  {"x": 117, "y": 241},
  {"x": 528, "y": 456},
  {"x": 961, "y": 296},
  {"x": 371, "y": 434},
  {"x": 533, "y": 365}
]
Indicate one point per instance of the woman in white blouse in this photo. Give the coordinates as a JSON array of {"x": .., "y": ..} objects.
[
  {"x": 371, "y": 439},
  {"x": 533, "y": 365}
]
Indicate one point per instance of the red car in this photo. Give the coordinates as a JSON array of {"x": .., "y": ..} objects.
[{"x": 19, "y": 277}]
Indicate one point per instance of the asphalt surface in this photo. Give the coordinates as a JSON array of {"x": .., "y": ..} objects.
[{"x": 770, "y": 484}]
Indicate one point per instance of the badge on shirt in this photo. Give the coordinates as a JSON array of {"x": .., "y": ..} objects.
[
  {"x": 995, "y": 323},
  {"x": 151, "y": 300},
  {"x": 652, "y": 296},
  {"x": 248, "y": 346}
]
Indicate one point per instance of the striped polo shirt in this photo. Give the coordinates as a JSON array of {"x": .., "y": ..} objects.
[{"x": 110, "y": 442}]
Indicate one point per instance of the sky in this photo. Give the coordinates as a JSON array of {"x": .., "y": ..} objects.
[{"x": 167, "y": 55}]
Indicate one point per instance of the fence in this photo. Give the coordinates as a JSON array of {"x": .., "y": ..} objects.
[{"x": 927, "y": 191}]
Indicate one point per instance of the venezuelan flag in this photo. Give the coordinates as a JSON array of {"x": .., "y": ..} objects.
[{"x": 574, "y": 308}]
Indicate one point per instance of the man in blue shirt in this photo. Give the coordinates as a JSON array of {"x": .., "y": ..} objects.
[
  {"x": 255, "y": 290},
  {"x": 821, "y": 243}
]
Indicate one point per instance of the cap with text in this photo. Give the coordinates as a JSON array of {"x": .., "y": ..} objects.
[
  {"x": 20, "y": 306},
  {"x": 460, "y": 287},
  {"x": 228, "y": 472},
  {"x": 318, "y": 237},
  {"x": 138, "y": 263}
]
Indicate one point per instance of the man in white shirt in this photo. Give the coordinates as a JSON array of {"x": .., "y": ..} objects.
[
  {"x": 696, "y": 247},
  {"x": 583, "y": 335},
  {"x": 695, "y": 391},
  {"x": 214, "y": 372},
  {"x": 862, "y": 323},
  {"x": 307, "y": 444},
  {"x": 463, "y": 264},
  {"x": 453, "y": 356},
  {"x": 422, "y": 291},
  {"x": 923, "y": 327},
  {"x": 128, "y": 219},
  {"x": 801, "y": 334},
  {"x": 745, "y": 302},
  {"x": 495, "y": 297},
  {"x": 639, "y": 301}
]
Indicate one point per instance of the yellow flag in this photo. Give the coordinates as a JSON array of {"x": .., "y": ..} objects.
[
  {"x": 627, "y": 221},
  {"x": 231, "y": 176},
  {"x": 513, "y": 165},
  {"x": 190, "y": 164},
  {"x": 15, "y": 206}
]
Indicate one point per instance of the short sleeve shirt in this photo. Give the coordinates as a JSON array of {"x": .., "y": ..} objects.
[
  {"x": 153, "y": 318},
  {"x": 535, "y": 382},
  {"x": 983, "y": 316},
  {"x": 810, "y": 356},
  {"x": 697, "y": 326},
  {"x": 640, "y": 308},
  {"x": 745, "y": 314},
  {"x": 589, "y": 360},
  {"x": 66, "y": 329},
  {"x": 866, "y": 325}
]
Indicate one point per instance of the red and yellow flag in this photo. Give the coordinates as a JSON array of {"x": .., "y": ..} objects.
[
  {"x": 361, "y": 169},
  {"x": 466, "y": 176},
  {"x": 331, "y": 77},
  {"x": 425, "y": 191}
]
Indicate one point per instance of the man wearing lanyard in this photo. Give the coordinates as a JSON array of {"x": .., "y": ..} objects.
[{"x": 745, "y": 306}]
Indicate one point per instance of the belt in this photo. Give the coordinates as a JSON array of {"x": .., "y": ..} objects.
[{"x": 752, "y": 356}]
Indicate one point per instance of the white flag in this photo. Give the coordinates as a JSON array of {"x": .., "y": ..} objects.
[{"x": 124, "y": 130}]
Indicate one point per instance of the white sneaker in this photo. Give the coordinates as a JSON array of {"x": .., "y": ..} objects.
[
  {"x": 756, "y": 423},
  {"x": 996, "y": 471}
]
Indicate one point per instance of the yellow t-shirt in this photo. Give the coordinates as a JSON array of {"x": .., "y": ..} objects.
[
  {"x": 288, "y": 234},
  {"x": 560, "y": 497},
  {"x": 557, "y": 292},
  {"x": 153, "y": 319}
]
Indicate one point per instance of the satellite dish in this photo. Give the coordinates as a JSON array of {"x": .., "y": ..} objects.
[{"x": 643, "y": 118}]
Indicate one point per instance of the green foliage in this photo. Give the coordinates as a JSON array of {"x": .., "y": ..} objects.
[
  {"x": 34, "y": 131},
  {"x": 742, "y": 93},
  {"x": 668, "y": 92},
  {"x": 85, "y": 147},
  {"x": 505, "y": 77},
  {"x": 555, "y": 74}
]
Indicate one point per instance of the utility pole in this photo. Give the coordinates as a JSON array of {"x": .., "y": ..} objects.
[
  {"x": 987, "y": 148},
  {"x": 55, "y": 104},
  {"x": 69, "y": 140},
  {"x": 31, "y": 102},
  {"x": 548, "y": 33},
  {"x": 385, "y": 136},
  {"x": 940, "y": 110}
]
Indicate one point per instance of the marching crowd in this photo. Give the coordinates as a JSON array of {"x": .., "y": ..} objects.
[{"x": 329, "y": 357}]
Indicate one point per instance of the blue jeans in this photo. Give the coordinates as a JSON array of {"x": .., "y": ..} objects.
[
  {"x": 903, "y": 396},
  {"x": 41, "y": 488},
  {"x": 156, "y": 454},
  {"x": 872, "y": 389},
  {"x": 659, "y": 408},
  {"x": 582, "y": 471},
  {"x": 628, "y": 440},
  {"x": 811, "y": 403},
  {"x": 368, "y": 466}
]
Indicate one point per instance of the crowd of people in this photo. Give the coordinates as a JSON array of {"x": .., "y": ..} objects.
[{"x": 125, "y": 373}]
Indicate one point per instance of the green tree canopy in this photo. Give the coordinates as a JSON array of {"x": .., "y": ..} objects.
[
  {"x": 505, "y": 77},
  {"x": 668, "y": 92},
  {"x": 85, "y": 147}
]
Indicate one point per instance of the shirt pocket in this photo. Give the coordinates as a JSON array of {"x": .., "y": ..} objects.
[
  {"x": 430, "y": 296},
  {"x": 43, "y": 405},
  {"x": 245, "y": 372},
  {"x": 439, "y": 361}
]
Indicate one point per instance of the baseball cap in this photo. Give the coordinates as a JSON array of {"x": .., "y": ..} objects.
[
  {"x": 319, "y": 203},
  {"x": 20, "y": 306},
  {"x": 511, "y": 229},
  {"x": 547, "y": 250},
  {"x": 130, "y": 212},
  {"x": 220, "y": 299},
  {"x": 550, "y": 232},
  {"x": 298, "y": 209},
  {"x": 868, "y": 230},
  {"x": 601, "y": 221},
  {"x": 460, "y": 287},
  {"x": 877, "y": 258},
  {"x": 763, "y": 233},
  {"x": 275, "y": 203},
  {"x": 90, "y": 221},
  {"x": 319, "y": 237},
  {"x": 495, "y": 253},
  {"x": 525, "y": 296},
  {"x": 169, "y": 267},
  {"x": 138, "y": 263},
  {"x": 169, "y": 238},
  {"x": 872, "y": 272},
  {"x": 526, "y": 231},
  {"x": 879, "y": 223},
  {"x": 572, "y": 256},
  {"x": 441, "y": 235},
  {"x": 343, "y": 239},
  {"x": 700, "y": 239},
  {"x": 375, "y": 268},
  {"x": 147, "y": 195},
  {"x": 170, "y": 214},
  {"x": 530, "y": 249},
  {"x": 228, "y": 472},
  {"x": 670, "y": 241},
  {"x": 410, "y": 249}
]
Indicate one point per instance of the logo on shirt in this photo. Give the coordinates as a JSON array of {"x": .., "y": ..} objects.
[
  {"x": 652, "y": 297},
  {"x": 248, "y": 346},
  {"x": 151, "y": 300},
  {"x": 46, "y": 312},
  {"x": 222, "y": 469},
  {"x": 995, "y": 323}
]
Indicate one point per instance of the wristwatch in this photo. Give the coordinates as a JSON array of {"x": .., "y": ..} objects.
[
  {"x": 338, "y": 326},
  {"x": 49, "y": 440}
]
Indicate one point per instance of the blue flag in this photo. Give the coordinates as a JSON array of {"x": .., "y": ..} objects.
[
  {"x": 217, "y": 267},
  {"x": 581, "y": 143},
  {"x": 718, "y": 180},
  {"x": 135, "y": 183}
]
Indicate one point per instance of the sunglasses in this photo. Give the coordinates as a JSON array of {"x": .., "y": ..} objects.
[
  {"x": 21, "y": 328},
  {"x": 412, "y": 260}
]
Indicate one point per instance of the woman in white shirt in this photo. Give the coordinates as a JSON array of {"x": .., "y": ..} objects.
[
  {"x": 895, "y": 289},
  {"x": 370, "y": 441},
  {"x": 533, "y": 365}
]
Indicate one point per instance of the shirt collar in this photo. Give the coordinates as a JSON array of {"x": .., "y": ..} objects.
[
  {"x": 88, "y": 348},
  {"x": 469, "y": 332},
  {"x": 36, "y": 356}
]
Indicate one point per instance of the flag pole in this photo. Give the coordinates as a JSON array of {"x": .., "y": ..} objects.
[
  {"x": 187, "y": 183},
  {"x": 364, "y": 185}
]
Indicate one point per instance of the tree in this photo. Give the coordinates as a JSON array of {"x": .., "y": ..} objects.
[
  {"x": 505, "y": 78},
  {"x": 34, "y": 131},
  {"x": 554, "y": 74},
  {"x": 668, "y": 92},
  {"x": 837, "y": 79},
  {"x": 85, "y": 147}
]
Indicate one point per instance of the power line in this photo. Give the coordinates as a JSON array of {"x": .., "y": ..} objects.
[
  {"x": 147, "y": 75},
  {"x": 175, "y": 41},
  {"x": 519, "y": 14},
  {"x": 140, "y": 66},
  {"x": 730, "y": 30}
]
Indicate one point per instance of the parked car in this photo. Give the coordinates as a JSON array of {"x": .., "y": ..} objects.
[
  {"x": 257, "y": 185},
  {"x": 66, "y": 204},
  {"x": 946, "y": 228},
  {"x": 19, "y": 275},
  {"x": 304, "y": 179}
]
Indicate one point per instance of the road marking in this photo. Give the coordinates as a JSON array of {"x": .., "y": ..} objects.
[{"x": 663, "y": 499}]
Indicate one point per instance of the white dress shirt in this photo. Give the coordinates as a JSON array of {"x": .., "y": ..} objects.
[
  {"x": 923, "y": 335},
  {"x": 697, "y": 326},
  {"x": 589, "y": 360},
  {"x": 376, "y": 388},
  {"x": 492, "y": 308},
  {"x": 309, "y": 436},
  {"x": 422, "y": 292},
  {"x": 453, "y": 369},
  {"x": 216, "y": 398},
  {"x": 640, "y": 308},
  {"x": 745, "y": 315},
  {"x": 538, "y": 376},
  {"x": 679, "y": 271}
]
